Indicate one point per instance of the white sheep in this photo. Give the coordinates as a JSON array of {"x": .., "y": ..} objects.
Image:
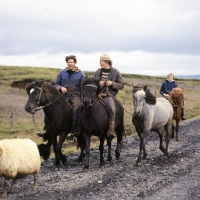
[{"x": 18, "y": 158}]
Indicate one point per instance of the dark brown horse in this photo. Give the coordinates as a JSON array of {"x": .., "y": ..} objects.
[
  {"x": 176, "y": 98},
  {"x": 94, "y": 120},
  {"x": 58, "y": 116}
]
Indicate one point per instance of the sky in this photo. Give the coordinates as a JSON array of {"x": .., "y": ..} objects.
[{"x": 150, "y": 37}]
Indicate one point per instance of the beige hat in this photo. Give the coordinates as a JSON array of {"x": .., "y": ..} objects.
[{"x": 105, "y": 57}]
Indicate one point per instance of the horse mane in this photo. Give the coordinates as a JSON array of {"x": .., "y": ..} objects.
[
  {"x": 46, "y": 86},
  {"x": 139, "y": 86},
  {"x": 150, "y": 98},
  {"x": 92, "y": 81},
  {"x": 176, "y": 92}
]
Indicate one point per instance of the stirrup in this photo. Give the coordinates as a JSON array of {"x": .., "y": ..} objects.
[
  {"x": 110, "y": 136},
  {"x": 71, "y": 138},
  {"x": 183, "y": 118}
]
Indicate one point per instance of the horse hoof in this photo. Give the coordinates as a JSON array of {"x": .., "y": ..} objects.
[
  {"x": 118, "y": 157},
  {"x": 85, "y": 170},
  {"x": 172, "y": 136},
  {"x": 144, "y": 160},
  {"x": 165, "y": 157},
  {"x": 177, "y": 139},
  {"x": 79, "y": 163},
  {"x": 108, "y": 161},
  {"x": 55, "y": 166},
  {"x": 138, "y": 163},
  {"x": 65, "y": 163},
  {"x": 101, "y": 166}
]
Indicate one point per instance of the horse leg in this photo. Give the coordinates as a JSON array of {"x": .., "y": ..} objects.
[
  {"x": 173, "y": 127},
  {"x": 82, "y": 153},
  {"x": 167, "y": 138},
  {"x": 177, "y": 129},
  {"x": 101, "y": 149},
  {"x": 160, "y": 133},
  {"x": 119, "y": 132},
  {"x": 59, "y": 148},
  {"x": 87, "y": 151},
  {"x": 109, "y": 158},
  {"x": 139, "y": 160},
  {"x": 57, "y": 159}
]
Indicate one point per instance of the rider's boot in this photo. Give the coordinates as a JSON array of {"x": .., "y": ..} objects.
[
  {"x": 111, "y": 131},
  {"x": 182, "y": 114},
  {"x": 74, "y": 132}
]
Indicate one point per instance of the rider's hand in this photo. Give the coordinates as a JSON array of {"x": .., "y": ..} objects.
[
  {"x": 165, "y": 95},
  {"x": 108, "y": 83},
  {"x": 102, "y": 83},
  {"x": 63, "y": 89}
]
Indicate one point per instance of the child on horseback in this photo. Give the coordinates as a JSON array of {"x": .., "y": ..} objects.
[{"x": 166, "y": 89}]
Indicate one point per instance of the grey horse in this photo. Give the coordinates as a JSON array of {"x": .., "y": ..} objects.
[{"x": 151, "y": 114}]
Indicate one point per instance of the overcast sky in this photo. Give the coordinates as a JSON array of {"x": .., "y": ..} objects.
[{"x": 152, "y": 37}]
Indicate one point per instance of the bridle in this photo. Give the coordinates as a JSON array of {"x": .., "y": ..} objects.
[
  {"x": 175, "y": 105},
  {"x": 37, "y": 107},
  {"x": 94, "y": 99}
]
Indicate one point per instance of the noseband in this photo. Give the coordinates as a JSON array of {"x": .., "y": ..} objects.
[
  {"x": 93, "y": 100},
  {"x": 37, "y": 107}
]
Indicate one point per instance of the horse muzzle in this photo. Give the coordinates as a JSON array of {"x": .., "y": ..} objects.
[
  {"x": 30, "y": 110},
  {"x": 137, "y": 114},
  {"x": 86, "y": 104}
]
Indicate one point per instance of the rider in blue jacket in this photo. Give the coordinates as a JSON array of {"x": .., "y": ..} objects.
[
  {"x": 167, "y": 87},
  {"x": 68, "y": 82}
]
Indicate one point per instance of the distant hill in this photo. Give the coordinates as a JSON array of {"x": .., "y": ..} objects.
[
  {"x": 185, "y": 76},
  {"x": 189, "y": 76}
]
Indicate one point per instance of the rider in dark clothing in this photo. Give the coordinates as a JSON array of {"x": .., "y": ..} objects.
[
  {"x": 110, "y": 81},
  {"x": 69, "y": 81},
  {"x": 167, "y": 87}
]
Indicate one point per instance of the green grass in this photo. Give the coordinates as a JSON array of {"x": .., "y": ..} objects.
[{"x": 9, "y": 75}]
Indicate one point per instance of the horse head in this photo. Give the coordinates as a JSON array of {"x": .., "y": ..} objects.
[
  {"x": 138, "y": 97},
  {"x": 89, "y": 91},
  {"x": 177, "y": 97},
  {"x": 36, "y": 92},
  {"x": 141, "y": 95}
]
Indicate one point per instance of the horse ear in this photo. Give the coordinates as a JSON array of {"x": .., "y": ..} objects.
[{"x": 145, "y": 87}]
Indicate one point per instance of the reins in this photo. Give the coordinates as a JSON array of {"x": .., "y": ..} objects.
[{"x": 40, "y": 107}]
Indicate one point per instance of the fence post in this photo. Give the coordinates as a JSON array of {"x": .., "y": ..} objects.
[
  {"x": 11, "y": 120},
  {"x": 33, "y": 118}
]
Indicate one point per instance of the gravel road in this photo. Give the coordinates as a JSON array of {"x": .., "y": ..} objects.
[{"x": 178, "y": 177}]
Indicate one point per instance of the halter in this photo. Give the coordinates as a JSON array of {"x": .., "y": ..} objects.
[
  {"x": 90, "y": 85},
  {"x": 36, "y": 107},
  {"x": 173, "y": 104},
  {"x": 94, "y": 86}
]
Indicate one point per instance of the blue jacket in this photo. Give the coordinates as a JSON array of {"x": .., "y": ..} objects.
[
  {"x": 167, "y": 87},
  {"x": 73, "y": 83}
]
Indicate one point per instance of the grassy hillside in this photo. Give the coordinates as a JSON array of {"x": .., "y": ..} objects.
[{"x": 13, "y": 99}]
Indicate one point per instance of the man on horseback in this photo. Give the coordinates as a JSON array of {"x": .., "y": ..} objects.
[
  {"x": 68, "y": 82},
  {"x": 110, "y": 82},
  {"x": 166, "y": 89}
]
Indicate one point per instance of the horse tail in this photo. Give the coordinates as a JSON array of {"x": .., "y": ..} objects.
[{"x": 150, "y": 98}]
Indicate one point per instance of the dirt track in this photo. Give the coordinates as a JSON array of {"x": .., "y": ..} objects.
[{"x": 175, "y": 178}]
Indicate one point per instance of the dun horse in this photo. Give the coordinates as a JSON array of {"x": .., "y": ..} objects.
[
  {"x": 58, "y": 115},
  {"x": 94, "y": 120},
  {"x": 151, "y": 114},
  {"x": 176, "y": 98}
]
